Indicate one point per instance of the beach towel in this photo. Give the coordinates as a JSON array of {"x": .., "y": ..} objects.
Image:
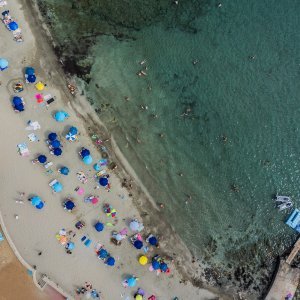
[
  {"x": 32, "y": 137},
  {"x": 23, "y": 149},
  {"x": 87, "y": 243},
  {"x": 33, "y": 125}
]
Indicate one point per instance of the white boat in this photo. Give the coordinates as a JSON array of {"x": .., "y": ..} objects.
[{"x": 283, "y": 199}]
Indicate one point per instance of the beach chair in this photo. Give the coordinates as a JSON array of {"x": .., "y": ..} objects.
[
  {"x": 53, "y": 182},
  {"x": 48, "y": 165}
]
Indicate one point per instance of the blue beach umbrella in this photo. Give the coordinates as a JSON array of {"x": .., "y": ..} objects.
[
  {"x": 60, "y": 116},
  {"x": 103, "y": 181},
  {"x": 87, "y": 160},
  {"x": 13, "y": 26},
  {"x": 3, "y": 64},
  {"x": 40, "y": 205},
  {"x": 153, "y": 241},
  {"x": 99, "y": 226},
  {"x": 57, "y": 187},
  {"x": 64, "y": 171},
  {"x": 131, "y": 282},
  {"x": 17, "y": 100},
  {"x": 110, "y": 261},
  {"x": 19, "y": 107},
  {"x": 73, "y": 130},
  {"x": 57, "y": 151},
  {"x": 164, "y": 267},
  {"x": 36, "y": 200},
  {"x": 42, "y": 159},
  {"x": 84, "y": 152},
  {"x": 138, "y": 244},
  {"x": 70, "y": 137},
  {"x": 55, "y": 144},
  {"x": 29, "y": 71},
  {"x": 96, "y": 167},
  {"x": 155, "y": 265},
  {"x": 31, "y": 78},
  {"x": 102, "y": 253},
  {"x": 52, "y": 136},
  {"x": 69, "y": 205}
]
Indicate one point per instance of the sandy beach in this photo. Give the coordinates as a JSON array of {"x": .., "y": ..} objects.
[{"x": 35, "y": 230}]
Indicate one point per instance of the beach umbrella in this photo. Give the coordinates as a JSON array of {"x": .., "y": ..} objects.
[
  {"x": 99, "y": 226},
  {"x": 138, "y": 297},
  {"x": 134, "y": 225},
  {"x": 42, "y": 159},
  {"x": 64, "y": 171},
  {"x": 63, "y": 239},
  {"x": 84, "y": 152},
  {"x": 153, "y": 241},
  {"x": 73, "y": 130},
  {"x": 103, "y": 181},
  {"x": 29, "y": 71},
  {"x": 57, "y": 187},
  {"x": 96, "y": 167},
  {"x": 40, "y": 205},
  {"x": 57, "y": 151},
  {"x": 102, "y": 253},
  {"x": 87, "y": 160},
  {"x": 39, "y": 86},
  {"x": 70, "y": 246},
  {"x": 55, "y": 144},
  {"x": 138, "y": 244},
  {"x": 110, "y": 261},
  {"x": 143, "y": 260},
  {"x": 131, "y": 281},
  {"x": 70, "y": 137},
  {"x": 95, "y": 200},
  {"x": 69, "y": 205},
  {"x": 31, "y": 78},
  {"x": 52, "y": 136},
  {"x": 3, "y": 64},
  {"x": 13, "y": 26},
  {"x": 163, "y": 266},
  {"x": 17, "y": 100},
  {"x": 155, "y": 265},
  {"x": 118, "y": 237},
  {"x": 60, "y": 116},
  {"x": 35, "y": 200}
]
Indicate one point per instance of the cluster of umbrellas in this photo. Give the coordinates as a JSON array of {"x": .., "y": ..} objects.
[
  {"x": 109, "y": 210},
  {"x": 159, "y": 265},
  {"x": 72, "y": 134},
  {"x": 60, "y": 116},
  {"x": 37, "y": 202},
  {"x": 86, "y": 156},
  {"x": 55, "y": 144},
  {"x": 18, "y": 103},
  {"x": 30, "y": 75},
  {"x": 3, "y": 64},
  {"x": 104, "y": 255}
]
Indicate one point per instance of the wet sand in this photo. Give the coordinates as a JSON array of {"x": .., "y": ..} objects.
[{"x": 15, "y": 282}]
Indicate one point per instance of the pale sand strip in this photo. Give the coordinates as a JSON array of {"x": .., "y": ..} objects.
[{"x": 35, "y": 230}]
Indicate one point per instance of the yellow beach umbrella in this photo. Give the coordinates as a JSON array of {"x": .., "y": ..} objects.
[
  {"x": 143, "y": 260},
  {"x": 138, "y": 297},
  {"x": 39, "y": 86}
]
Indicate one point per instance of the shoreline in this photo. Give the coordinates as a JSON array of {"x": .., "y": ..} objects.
[{"x": 141, "y": 197}]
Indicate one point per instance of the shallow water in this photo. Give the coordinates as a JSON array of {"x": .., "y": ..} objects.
[{"x": 252, "y": 101}]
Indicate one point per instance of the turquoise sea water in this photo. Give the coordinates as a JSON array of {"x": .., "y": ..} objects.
[{"x": 245, "y": 86}]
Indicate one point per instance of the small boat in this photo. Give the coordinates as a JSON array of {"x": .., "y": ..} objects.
[
  {"x": 282, "y": 199},
  {"x": 143, "y": 61},
  {"x": 283, "y": 206}
]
